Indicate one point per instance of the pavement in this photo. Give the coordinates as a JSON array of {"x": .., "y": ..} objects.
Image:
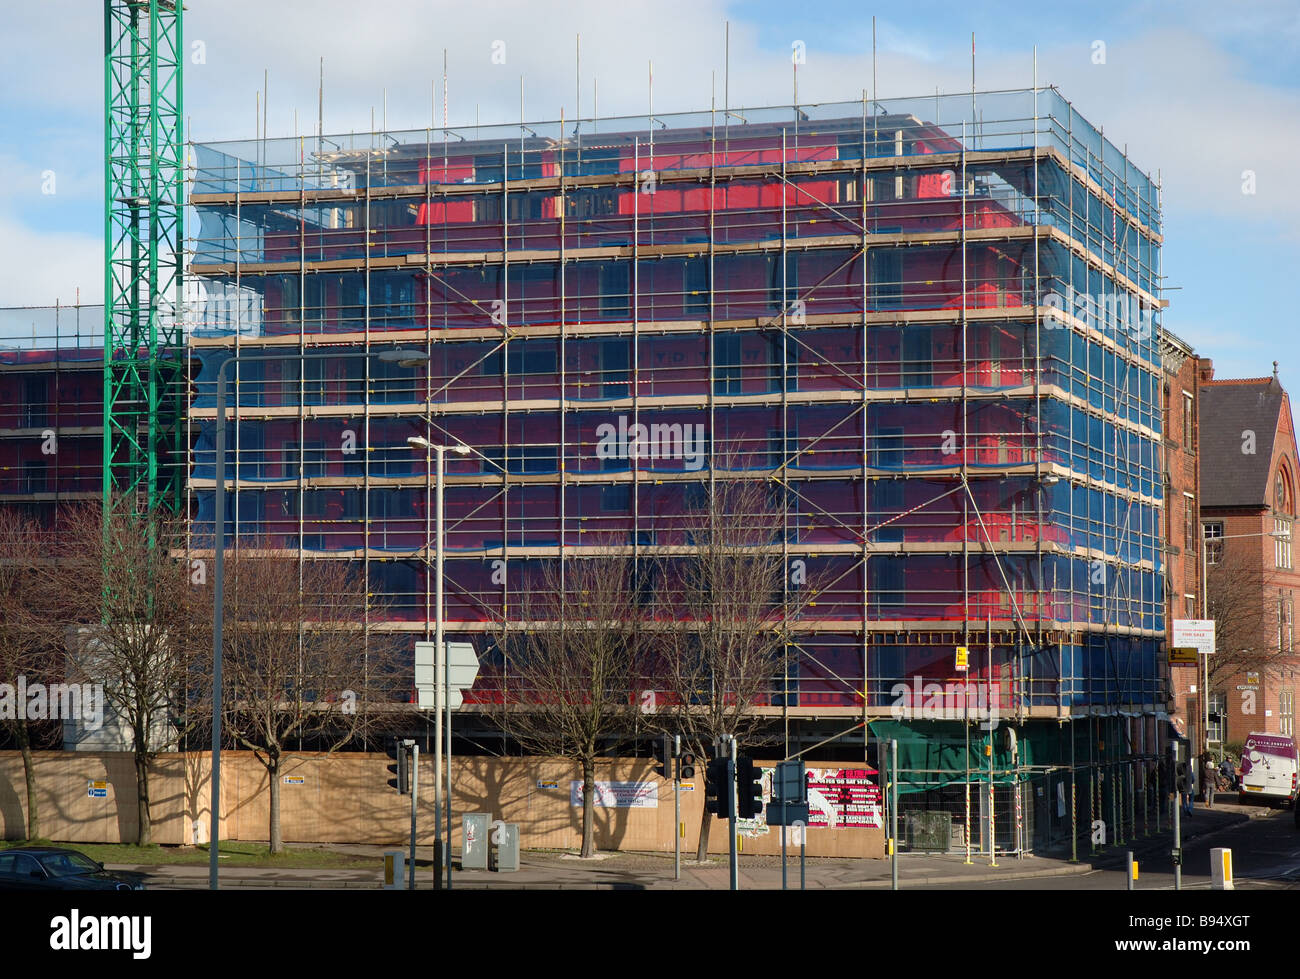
[{"x": 554, "y": 870}]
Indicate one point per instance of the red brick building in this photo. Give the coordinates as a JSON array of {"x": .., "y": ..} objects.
[
  {"x": 1182, "y": 498},
  {"x": 1248, "y": 473}
]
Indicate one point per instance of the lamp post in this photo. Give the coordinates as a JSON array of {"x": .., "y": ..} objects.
[
  {"x": 1205, "y": 614},
  {"x": 441, "y": 662},
  {"x": 406, "y": 358}
]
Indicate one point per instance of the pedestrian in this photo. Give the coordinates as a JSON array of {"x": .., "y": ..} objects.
[
  {"x": 1207, "y": 776},
  {"x": 1229, "y": 771}
]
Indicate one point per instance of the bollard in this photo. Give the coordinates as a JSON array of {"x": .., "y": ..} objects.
[
  {"x": 394, "y": 870},
  {"x": 1221, "y": 869}
]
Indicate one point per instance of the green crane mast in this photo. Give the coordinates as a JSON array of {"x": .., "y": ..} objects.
[{"x": 144, "y": 154}]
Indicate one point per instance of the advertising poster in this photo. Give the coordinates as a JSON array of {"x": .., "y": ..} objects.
[{"x": 618, "y": 795}]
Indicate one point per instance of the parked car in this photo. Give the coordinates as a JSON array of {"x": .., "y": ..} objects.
[
  {"x": 56, "y": 868},
  {"x": 1268, "y": 769}
]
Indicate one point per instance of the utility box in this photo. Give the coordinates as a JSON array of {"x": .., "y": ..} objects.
[
  {"x": 505, "y": 847},
  {"x": 394, "y": 870},
  {"x": 929, "y": 832},
  {"x": 474, "y": 833}
]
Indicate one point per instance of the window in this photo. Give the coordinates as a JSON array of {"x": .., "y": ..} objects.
[
  {"x": 34, "y": 476},
  {"x": 1213, "y": 541},
  {"x": 614, "y": 374},
  {"x": 1285, "y": 637},
  {"x": 592, "y": 203},
  {"x": 1218, "y": 709},
  {"x": 1189, "y": 417},
  {"x": 1286, "y": 710},
  {"x": 36, "y": 401},
  {"x": 1189, "y": 606},
  {"x": 917, "y": 357},
  {"x": 1282, "y": 501},
  {"x": 616, "y": 498},
  {"x": 889, "y": 583},
  {"x": 1189, "y": 527},
  {"x": 695, "y": 287},
  {"x": 1282, "y": 542},
  {"x": 615, "y": 284},
  {"x": 727, "y": 370},
  {"x": 592, "y": 162},
  {"x": 889, "y": 448},
  {"x": 886, "y": 273},
  {"x": 522, "y": 207}
]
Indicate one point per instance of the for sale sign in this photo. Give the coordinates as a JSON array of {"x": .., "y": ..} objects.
[{"x": 1195, "y": 634}]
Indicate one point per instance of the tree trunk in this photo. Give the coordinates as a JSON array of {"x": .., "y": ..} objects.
[
  {"x": 702, "y": 851},
  {"x": 29, "y": 774},
  {"x": 273, "y": 770},
  {"x": 145, "y": 835},
  {"x": 588, "y": 808}
]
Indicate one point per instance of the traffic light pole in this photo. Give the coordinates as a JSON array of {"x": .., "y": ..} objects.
[
  {"x": 415, "y": 794},
  {"x": 893, "y": 813},
  {"x": 1178, "y": 825},
  {"x": 731, "y": 813},
  {"x": 677, "y": 808}
]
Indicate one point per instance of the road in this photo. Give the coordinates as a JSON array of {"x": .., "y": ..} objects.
[{"x": 1265, "y": 856}]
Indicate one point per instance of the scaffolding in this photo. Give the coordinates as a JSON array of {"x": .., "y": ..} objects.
[
  {"x": 930, "y": 325},
  {"x": 51, "y": 408}
]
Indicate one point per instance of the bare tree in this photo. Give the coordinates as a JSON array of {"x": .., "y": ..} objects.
[
  {"x": 29, "y": 639},
  {"x": 730, "y": 640},
  {"x": 1246, "y": 633},
  {"x": 298, "y": 668},
  {"x": 135, "y": 626},
  {"x": 572, "y": 665}
]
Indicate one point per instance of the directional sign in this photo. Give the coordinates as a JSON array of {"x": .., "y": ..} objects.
[{"x": 462, "y": 665}]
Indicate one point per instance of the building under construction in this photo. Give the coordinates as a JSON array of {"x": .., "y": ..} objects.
[{"x": 929, "y": 324}]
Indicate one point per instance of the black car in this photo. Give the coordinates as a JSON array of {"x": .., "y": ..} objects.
[{"x": 56, "y": 868}]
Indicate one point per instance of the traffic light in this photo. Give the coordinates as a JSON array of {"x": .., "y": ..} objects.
[
  {"x": 717, "y": 788},
  {"x": 749, "y": 788},
  {"x": 401, "y": 771},
  {"x": 686, "y": 767},
  {"x": 663, "y": 751}
]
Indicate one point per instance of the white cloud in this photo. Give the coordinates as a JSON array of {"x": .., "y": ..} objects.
[{"x": 39, "y": 267}]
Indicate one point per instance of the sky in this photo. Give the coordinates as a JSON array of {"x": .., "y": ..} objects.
[{"x": 1204, "y": 94}]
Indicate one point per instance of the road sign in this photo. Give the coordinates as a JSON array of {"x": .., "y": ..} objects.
[
  {"x": 1195, "y": 634},
  {"x": 963, "y": 657},
  {"x": 789, "y": 783},
  {"x": 462, "y": 665}
]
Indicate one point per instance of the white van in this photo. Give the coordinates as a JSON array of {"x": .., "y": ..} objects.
[{"x": 1268, "y": 768}]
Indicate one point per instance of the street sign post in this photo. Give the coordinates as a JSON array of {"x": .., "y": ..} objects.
[{"x": 462, "y": 669}]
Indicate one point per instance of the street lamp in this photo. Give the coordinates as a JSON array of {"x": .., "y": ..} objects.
[
  {"x": 405, "y": 358},
  {"x": 441, "y": 662},
  {"x": 1205, "y": 614}
]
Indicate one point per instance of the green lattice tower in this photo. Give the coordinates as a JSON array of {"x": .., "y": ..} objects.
[{"x": 144, "y": 381}]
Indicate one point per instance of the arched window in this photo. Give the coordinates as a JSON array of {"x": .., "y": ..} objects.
[{"x": 1283, "y": 508}]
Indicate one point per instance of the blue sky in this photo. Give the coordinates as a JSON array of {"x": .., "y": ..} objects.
[{"x": 1198, "y": 91}]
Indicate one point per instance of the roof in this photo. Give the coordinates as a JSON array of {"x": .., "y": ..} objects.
[{"x": 1229, "y": 409}]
